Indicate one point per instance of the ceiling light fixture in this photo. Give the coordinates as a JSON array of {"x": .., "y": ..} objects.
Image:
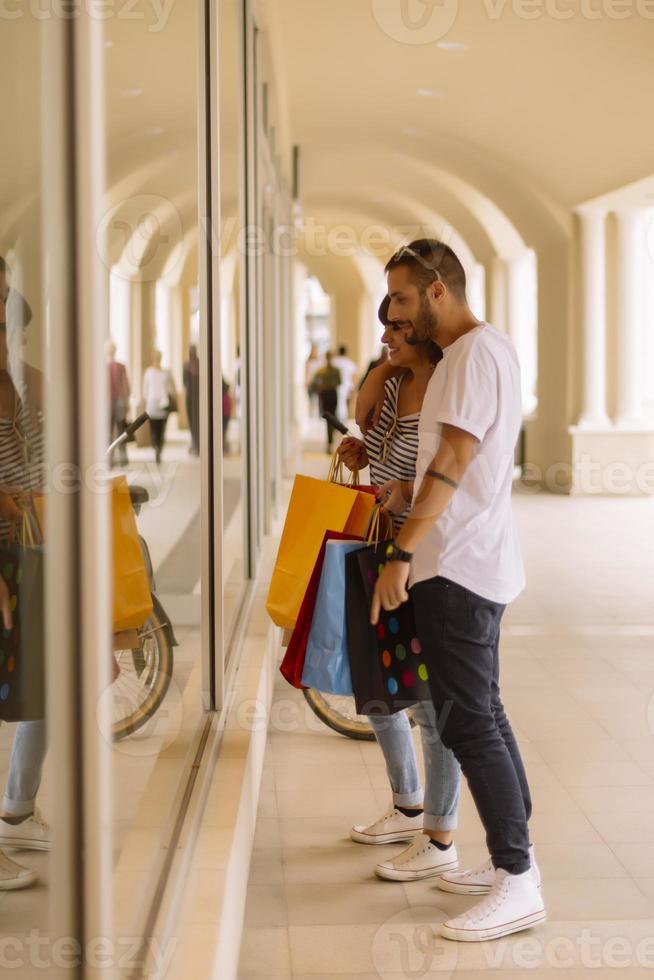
[
  {"x": 452, "y": 45},
  {"x": 108, "y": 44},
  {"x": 430, "y": 93},
  {"x": 155, "y": 131},
  {"x": 409, "y": 131},
  {"x": 131, "y": 93}
]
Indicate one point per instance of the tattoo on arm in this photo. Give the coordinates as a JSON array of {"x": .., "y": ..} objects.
[{"x": 443, "y": 478}]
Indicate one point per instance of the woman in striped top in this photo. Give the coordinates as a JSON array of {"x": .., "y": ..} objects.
[{"x": 391, "y": 449}]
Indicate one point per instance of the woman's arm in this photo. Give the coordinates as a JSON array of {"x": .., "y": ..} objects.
[{"x": 370, "y": 399}]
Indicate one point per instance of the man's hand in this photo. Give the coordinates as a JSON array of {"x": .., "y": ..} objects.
[
  {"x": 353, "y": 453},
  {"x": 390, "y": 590},
  {"x": 5, "y": 605}
]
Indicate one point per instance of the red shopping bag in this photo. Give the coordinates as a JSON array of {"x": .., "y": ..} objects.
[{"x": 293, "y": 663}]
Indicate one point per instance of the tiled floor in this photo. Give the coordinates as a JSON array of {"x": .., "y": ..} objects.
[{"x": 578, "y": 682}]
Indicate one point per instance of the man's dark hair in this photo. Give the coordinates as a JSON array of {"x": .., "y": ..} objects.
[
  {"x": 342, "y": 350},
  {"x": 431, "y": 260},
  {"x": 3, "y": 265}
]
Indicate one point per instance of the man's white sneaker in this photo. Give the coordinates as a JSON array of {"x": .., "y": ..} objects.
[
  {"x": 14, "y": 875},
  {"x": 32, "y": 834},
  {"x": 420, "y": 860},
  {"x": 479, "y": 880},
  {"x": 393, "y": 826},
  {"x": 514, "y": 903}
]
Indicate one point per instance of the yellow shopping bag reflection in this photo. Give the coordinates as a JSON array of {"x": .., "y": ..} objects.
[
  {"x": 132, "y": 598},
  {"x": 315, "y": 507}
]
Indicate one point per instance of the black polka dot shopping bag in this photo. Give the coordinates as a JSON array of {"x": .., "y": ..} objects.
[
  {"x": 386, "y": 661},
  {"x": 22, "y": 663}
]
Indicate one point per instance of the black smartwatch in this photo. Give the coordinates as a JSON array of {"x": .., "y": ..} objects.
[{"x": 393, "y": 553}]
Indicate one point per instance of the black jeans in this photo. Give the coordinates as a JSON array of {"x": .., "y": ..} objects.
[
  {"x": 158, "y": 435},
  {"x": 329, "y": 403},
  {"x": 460, "y": 633}
]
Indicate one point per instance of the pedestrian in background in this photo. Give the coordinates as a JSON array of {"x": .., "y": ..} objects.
[
  {"x": 119, "y": 392},
  {"x": 326, "y": 381},
  {"x": 160, "y": 400}
]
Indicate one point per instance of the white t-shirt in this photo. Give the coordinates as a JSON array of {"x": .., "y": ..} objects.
[
  {"x": 476, "y": 387},
  {"x": 348, "y": 370},
  {"x": 158, "y": 385}
]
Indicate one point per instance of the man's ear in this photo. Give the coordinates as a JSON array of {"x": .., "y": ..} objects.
[{"x": 437, "y": 290}]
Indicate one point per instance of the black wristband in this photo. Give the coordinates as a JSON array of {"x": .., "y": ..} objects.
[{"x": 393, "y": 553}]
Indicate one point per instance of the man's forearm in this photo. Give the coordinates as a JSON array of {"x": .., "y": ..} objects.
[
  {"x": 439, "y": 485},
  {"x": 424, "y": 515}
]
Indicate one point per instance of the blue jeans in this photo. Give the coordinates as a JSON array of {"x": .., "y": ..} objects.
[
  {"x": 442, "y": 774},
  {"x": 27, "y": 755}
]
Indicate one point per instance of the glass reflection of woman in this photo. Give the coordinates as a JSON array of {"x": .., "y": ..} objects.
[{"x": 20, "y": 472}]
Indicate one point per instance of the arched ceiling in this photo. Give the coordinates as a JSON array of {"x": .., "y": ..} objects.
[{"x": 549, "y": 103}]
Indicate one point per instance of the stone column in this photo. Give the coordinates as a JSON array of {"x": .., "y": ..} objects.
[
  {"x": 593, "y": 287},
  {"x": 630, "y": 293}
]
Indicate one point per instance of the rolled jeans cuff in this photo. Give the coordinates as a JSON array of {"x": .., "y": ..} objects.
[
  {"x": 408, "y": 799},
  {"x": 447, "y": 822},
  {"x": 17, "y": 808}
]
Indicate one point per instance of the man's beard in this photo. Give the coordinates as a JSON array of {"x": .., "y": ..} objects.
[{"x": 425, "y": 324}]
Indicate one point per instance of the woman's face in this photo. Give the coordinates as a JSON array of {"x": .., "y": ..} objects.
[{"x": 400, "y": 353}]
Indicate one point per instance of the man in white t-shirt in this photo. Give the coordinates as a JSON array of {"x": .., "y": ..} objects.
[
  {"x": 459, "y": 554},
  {"x": 348, "y": 370}
]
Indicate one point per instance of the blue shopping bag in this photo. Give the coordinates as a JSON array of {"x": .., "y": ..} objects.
[{"x": 327, "y": 663}]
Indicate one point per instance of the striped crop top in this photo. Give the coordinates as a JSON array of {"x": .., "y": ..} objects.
[{"x": 402, "y": 445}]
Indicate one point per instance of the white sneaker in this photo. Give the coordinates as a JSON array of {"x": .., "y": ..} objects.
[
  {"x": 479, "y": 880},
  {"x": 393, "y": 826},
  {"x": 419, "y": 860},
  {"x": 514, "y": 903},
  {"x": 32, "y": 834},
  {"x": 14, "y": 875}
]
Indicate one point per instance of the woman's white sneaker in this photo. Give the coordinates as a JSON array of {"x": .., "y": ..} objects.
[
  {"x": 13, "y": 876},
  {"x": 480, "y": 880},
  {"x": 392, "y": 827},
  {"x": 420, "y": 860},
  {"x": 32, "y": 834},
  {"x": 514, "y": 903}
]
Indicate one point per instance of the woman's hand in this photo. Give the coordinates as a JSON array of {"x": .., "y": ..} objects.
[
  {"x": 5, "y": 605},
  {"x": 11, "y": 499},
  {"x": 353, "y": 453},
  {"x": 394, "y": 496}
]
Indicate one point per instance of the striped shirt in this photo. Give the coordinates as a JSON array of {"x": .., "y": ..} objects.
[
  {"x": 21, "y": 459},
  {"x": 402, "y": 445}
]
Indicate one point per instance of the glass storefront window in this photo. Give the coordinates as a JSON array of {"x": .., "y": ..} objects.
[
  {"x": 233, "y": 344},
  {"x": 153, "y": 364},
  {"x": 28, "y": 800}
]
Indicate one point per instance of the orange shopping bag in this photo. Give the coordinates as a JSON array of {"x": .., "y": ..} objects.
[
  {"x": 132, "y": 598},
  {"x": 315, "y": 507}
]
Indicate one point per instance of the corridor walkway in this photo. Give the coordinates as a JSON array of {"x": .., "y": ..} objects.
[{"x": 578, "y": 682}]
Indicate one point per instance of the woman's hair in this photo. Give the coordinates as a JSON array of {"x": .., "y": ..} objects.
[{"x": 432, "y": 350}]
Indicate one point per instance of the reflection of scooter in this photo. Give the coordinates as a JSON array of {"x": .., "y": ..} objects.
[{"x": 143, "y": 657}]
